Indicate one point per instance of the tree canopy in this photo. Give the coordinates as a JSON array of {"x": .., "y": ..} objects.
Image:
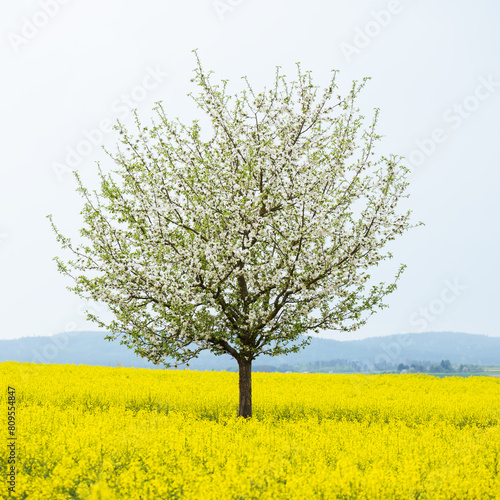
[{"x": 241, "y": 238}]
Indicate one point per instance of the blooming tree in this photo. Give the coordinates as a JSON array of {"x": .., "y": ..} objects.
[{"x": 242, "y": 241}]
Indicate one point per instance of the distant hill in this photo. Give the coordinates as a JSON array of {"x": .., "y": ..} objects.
[{"x": 90, "y": 348}]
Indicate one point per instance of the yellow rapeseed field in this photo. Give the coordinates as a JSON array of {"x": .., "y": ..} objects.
[{"x": 124, "y": 433}]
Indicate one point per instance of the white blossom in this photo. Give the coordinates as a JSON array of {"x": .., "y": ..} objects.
[{"x": 236, "y": 240}]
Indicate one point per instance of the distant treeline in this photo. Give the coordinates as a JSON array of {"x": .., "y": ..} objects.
[
  {"x": 345, "y": 366},
  {"x": 444, "y": 367},
  {"x": 443, "y": 352}
]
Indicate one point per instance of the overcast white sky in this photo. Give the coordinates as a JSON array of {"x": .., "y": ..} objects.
[{"x": 70, "y": 68}]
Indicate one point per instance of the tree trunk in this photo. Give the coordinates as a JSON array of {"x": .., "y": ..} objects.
[{"x": 245, "y": 387}]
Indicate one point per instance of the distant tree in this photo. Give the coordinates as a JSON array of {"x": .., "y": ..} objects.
[
  {"x": 446, "y": 366},
  {"x": 418, "y": 368},
  {"x": 402, "y": 367},
  {"x": 242, "y": 239},
  {"x": 435, "y": 368},
  {"x": 356, "y": 366}
]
